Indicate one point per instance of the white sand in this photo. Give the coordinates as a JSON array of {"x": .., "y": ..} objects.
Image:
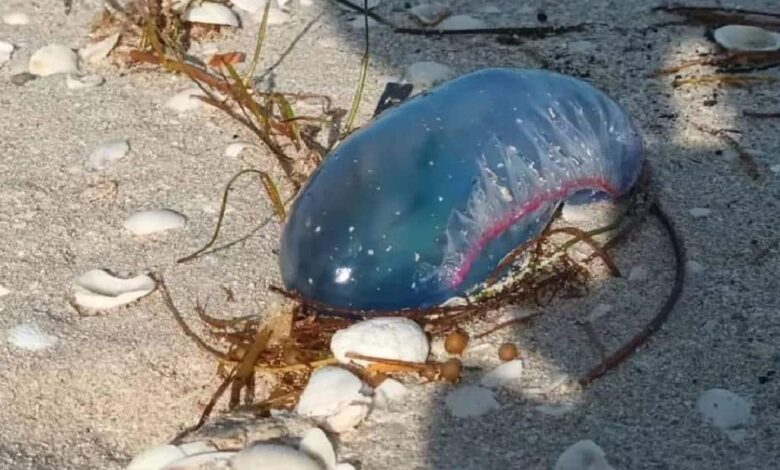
[{"x": 126, "y": 379}]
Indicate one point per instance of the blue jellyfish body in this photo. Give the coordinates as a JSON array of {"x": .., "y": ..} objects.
[{"x": 425, "y": 201}]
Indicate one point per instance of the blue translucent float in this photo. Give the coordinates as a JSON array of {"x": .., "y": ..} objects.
[{"x": 423, "y": 203}]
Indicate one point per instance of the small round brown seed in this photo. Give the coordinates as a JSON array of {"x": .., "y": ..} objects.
[
  {"x": 456, "y": 342},
  {"x": 450, "y": 370},
  {"x": 507, "y": 352}
]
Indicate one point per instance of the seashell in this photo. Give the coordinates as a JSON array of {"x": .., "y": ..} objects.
[
  {"x": 98, "y": 51},
  {"x": 186, "y": 100},
  {"x": 199, "y": 460},
  {"x": 151, "y": 221},
  {"x": 725, "y": 409},
  {"x": 235, "y": 148},
  {"x": 16, "y": 18},
  {"x": 429, "y": 13},
  {"x": 254, "y": 10},
  {"x": 273, "y": 457},
  {"x": 334, "y": 397},
  {"x": 211, "y": 13},
  {"x": 699, "y": 212},
  {"x": 52, "y": 60},
  {"x": 737, "y": 37},
  {"x": 506, "y": 373},
  {"x": 386, "y": 337},
  {"x": 459, "y": 22},
  {"x": 80, "y": 82},
  {"x": 6, "y": 51},
  {"x": 390, "y": 390},
  {"x": 584, "y": 455},
  {"x": 107, "y": 152},
  {"x": 317, "y": 445},
  {"x": 469, "y": 401},
  {"x": 427, "y": 74},
  {"x": 98, "y": 290},
  {"x": 156, "y": 458},
  {"x": 28, "y": 336}
]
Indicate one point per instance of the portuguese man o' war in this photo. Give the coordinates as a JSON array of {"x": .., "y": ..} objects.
[{"x": 423, "y": 203}]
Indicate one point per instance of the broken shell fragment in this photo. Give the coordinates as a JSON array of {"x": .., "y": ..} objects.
[
  {"x": 97, "y": 51},
  {"x": 429, "y": 14},
  {"x": 152, "y": 221},
  {"x": 211, "y": 13},
  {"x": 52, "y": 60},
  {"x": 107, "y": 152},
  {"x": 273, "y": 457},
  {"x": 98, "y": 290},
  {"x": 334, "y": 397},
  {"x": 16, "y": 18},
  {"x": 505, "y": 374},
  {"x": 584, "y": 455},
  {"x": 6, "y": 50},
  {"x": 736, "y": 37},
  {"x": 385, "y": 337}
]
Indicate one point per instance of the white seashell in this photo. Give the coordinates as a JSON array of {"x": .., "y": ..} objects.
[
  {"x": 390, "y": 390},
  {"x": 430, "y": 13},
  {"x": 251, "y": 6},
  {"x": 388, "y": 338},
  {"x": 95, "y": 52},
  {"x": 506, "y": 373},
  {"x": 345, "y": 466},
  {"x": 427, "y": 74},
  {"x": 211, "y": 13},
  {"x": 156, "y": 458},
  {"x": 16, "y": 18},
  {"x": 335, "y": 398},
  {"x": 98, "y": 290},
  {"x": 209, "y": 459},
  {"x": 459, "y": 22},
  {"x": 80, "y": 82},
  {"x": 555, "y": 410},
  {"x": 53, "y": 59},
  {"x": 153, "y": 221},
  {"x": 273, "y": 457},
  {"x": 725, "y": 409},
  {"x": 186, "y": 100},
  {"x": 107, "y": 152},
  {"x": 28, "y": 336},
  {"x": 637, "y": 274},
  {"x": 234, "y": 149},
  {"x": 584, "y": 455},
  {"x": 6, "y": 51},
  {"x": 469, "y": 401},
  {"x": 737, "y": 37},
  {"x": 699, "y": 212},
  {"x": 317, "y": 446}
]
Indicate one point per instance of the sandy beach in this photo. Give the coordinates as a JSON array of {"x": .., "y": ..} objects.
[{"x": 114, "y": 383}]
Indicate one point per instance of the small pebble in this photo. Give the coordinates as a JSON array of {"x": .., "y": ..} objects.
[
  {"x": 28, "y": 336},
  {"x": 6, "y": 51},
  {"x": 335, "y": 397},
  {"x": 151, "y": 221},
  {"x": 505, "y": 374},
  {"x": 427, "y": 74},
  {"x": 459, "y": 22},
  {"x": 469, "y": 401},
  {"x": 584, "y": 455},
  {"x": 52, "y": 60},
  {"x": 699, "y": 212},
  {"x": 16, "y": 18},
  {"x": 106, "y": 153},
  {"x": 211, "y": 13},
  {"x": 390, "y": 390},
  {"x": 725, "y": 409}
]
